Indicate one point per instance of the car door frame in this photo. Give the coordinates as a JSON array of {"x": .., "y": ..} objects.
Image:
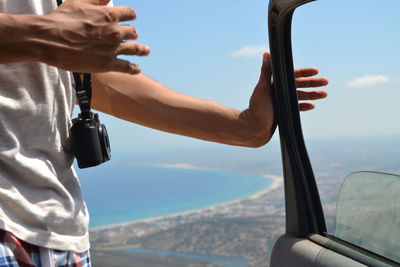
[{"x": 304, "y": 214}]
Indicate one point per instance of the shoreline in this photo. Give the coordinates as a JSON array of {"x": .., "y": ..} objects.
[{"x": 276, "y": 182}]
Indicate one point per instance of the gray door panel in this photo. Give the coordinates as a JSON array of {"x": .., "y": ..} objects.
[{"x": 292, "y": 251}]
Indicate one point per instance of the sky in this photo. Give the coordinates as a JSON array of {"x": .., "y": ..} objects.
[{"x": 213, "y": 49}]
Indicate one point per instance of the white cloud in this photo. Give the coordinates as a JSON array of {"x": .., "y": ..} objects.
[
  {"x": 250, "y": 51},
  {"x": 368, "y": 81}
]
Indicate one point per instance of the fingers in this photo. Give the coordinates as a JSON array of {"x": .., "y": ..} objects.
[
  {"x": 128, "y": 33},
  {"x": 132, "y": 48},
  {"x": 96, "y": 2},
  {"x": 306, "y": 106},
  {"x": 122, "y": 13},
  {"x": 125, "y": 67},
  {"x": 303, "y": 81},
  {"x": 129, "y": 48},
  {"x": 305, "y": 72},
  {"x": 311, "y": 95},
  {"x": 311, "y": 82}
]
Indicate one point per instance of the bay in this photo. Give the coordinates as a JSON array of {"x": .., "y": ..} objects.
[
  {"x": 117, "y": 193},
  {"x": 223, "y": 261}
]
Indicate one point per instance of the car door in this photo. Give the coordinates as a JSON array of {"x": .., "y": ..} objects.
[{"x": 307, "y": 242}]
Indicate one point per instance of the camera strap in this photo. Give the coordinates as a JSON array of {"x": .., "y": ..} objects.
[
  {"x": 83, "y": 88},
  {"x": 83, "y": 93}
]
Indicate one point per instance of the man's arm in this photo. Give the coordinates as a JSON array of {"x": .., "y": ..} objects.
[
  {"x": 80, "y": 35},
  {"x": 139, "y": 99}
]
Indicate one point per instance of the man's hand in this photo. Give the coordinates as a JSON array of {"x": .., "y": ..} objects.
[
  {"x": 261, "y": 108},
  {"x": 84, "y": 36}
]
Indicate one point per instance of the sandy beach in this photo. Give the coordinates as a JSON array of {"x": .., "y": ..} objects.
[{"x": 232, "y": 208}]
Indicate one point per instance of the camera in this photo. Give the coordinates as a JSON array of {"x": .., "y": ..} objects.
[{"x": 90, "y": 141}]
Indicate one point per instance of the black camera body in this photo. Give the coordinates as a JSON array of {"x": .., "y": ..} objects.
[{"x": 90, "y": 141}]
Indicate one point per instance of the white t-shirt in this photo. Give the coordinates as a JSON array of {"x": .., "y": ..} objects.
[{"x": 40, "y": 196}]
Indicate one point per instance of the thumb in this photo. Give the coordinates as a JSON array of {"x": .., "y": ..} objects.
[
  {"x": 265, "y": 75},
  {"x": 261, "y": 101},
  {"x": 262, "y": 90}
]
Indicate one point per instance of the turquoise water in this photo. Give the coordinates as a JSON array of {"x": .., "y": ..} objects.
[
  {"x": 116, "y": 193},
  {"x": 224, "y": 261}
]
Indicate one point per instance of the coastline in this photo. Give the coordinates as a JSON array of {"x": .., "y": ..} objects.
[{"x": 276, "y": 183}]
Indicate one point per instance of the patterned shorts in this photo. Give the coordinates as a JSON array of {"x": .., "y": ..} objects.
[{"x": 15, "y": 252}]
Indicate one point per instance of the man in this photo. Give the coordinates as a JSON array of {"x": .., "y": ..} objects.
[{"x": 43, "y": 218}]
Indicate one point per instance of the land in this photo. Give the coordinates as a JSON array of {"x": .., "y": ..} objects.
[
  {"x": 245, "y": 228},
  {"x": 122, "y": 258}
]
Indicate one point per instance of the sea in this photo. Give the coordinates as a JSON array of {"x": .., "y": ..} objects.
[{"x": 118, "y": 192}]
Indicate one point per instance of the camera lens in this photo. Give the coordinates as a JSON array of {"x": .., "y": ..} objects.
[{"x": 104, "y": 142}]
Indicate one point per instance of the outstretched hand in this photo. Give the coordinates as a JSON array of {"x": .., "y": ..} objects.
[
  {"x": 84, "y": 36},
  {"x": 261, "y": 110}
]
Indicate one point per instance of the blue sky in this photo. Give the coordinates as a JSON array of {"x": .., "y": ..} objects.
[{"x": 212, "y": 49}]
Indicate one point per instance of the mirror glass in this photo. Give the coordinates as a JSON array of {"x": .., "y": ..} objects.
[{"x": 368, "y": 212}]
